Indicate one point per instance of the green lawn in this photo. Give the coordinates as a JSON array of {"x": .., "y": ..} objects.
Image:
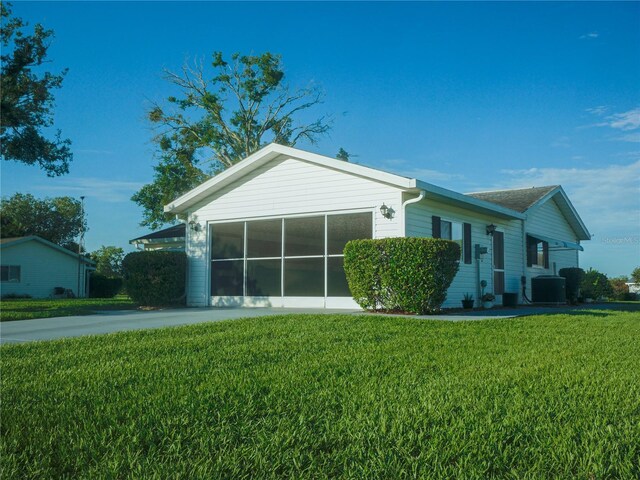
[
  {"x": 27, "y": 308},
  {"x": 319, "y": 396}
]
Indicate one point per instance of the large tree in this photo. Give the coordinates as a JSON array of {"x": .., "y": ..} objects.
[
  {"x": 27, "y": 99},
  {"x": 219, "y": 119},
  {"x": 59, "y": 220}
]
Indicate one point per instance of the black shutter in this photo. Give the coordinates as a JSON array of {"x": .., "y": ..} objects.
[
  {"x": 498, "y": 250},
  {"x": 545, "y": 253},
  {"x": 435, "y": 227},
  {"x": 466, "y": 242},
  {"x": 531, "y": 251}
]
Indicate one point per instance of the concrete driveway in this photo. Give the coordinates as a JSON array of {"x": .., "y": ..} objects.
[
  {"x": 119, "y": 321},
  {"x": 123, "y": 320}
]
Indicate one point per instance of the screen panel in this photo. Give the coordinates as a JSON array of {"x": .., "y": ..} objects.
[
  {"x": 264, "y": 278},
  {"x": 303, "y": 236},
  {"x": 342, "y": 228},
  {"x": 337, "y": 285},
  {"x": 304, "y": 277},
  {"x": 227, "y": 278},
  {"x": 227, "y": 240},
  {"x": 264, "y": 238}
]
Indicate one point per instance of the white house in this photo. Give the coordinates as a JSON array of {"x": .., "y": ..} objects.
[
  {"x": 34, "y": 266},
  {"x": 270, "y": 230}
]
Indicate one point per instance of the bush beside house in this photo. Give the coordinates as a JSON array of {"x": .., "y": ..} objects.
[
  {"x": 401, "y": 274},
  {"x": 102, "y": 286},
  {"x": 573, "y": 280},
  {"x": 155, "y": 278}
]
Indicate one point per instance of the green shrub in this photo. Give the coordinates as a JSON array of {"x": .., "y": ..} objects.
[
  {"x": 155, "y": 278},
  {"x": 573, "y": 279},
  {"x": 101, "y": 286},
  {"x": 401, "y": 274},
  {"x": 595, "y": 285}
]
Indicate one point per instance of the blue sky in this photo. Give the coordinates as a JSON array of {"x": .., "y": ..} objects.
[{"x": 469, "y": 96}]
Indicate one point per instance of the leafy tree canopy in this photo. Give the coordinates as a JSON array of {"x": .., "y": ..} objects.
[
  {"x": 108, "y": 261},
  {"x": 59, "y": 220},
  {"x": 27, "y": 98},
  {"x": 219, "y": 118},
  {"x": 343, "y": 155},
  {"x": 635, "y": 275}
]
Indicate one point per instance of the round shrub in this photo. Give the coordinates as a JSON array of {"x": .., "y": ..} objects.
[
  {"x": 573, "y": 279},
  {"x": 401, "y": 274},
  {"x": 101, "y": 286},
  {"x": 595, "y": 285},
  {"x": 155, "y": 278}
]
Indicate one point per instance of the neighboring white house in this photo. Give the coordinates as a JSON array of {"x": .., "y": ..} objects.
[
  {"x": 34, "y": 266},
  {"x": 169, "y": 239},
  {"x": 271, "y": 229}
]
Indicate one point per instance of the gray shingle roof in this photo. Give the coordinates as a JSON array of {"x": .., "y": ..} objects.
[
  {"x": 175, "y": 231},
  {"x": 519, "y": 199}
]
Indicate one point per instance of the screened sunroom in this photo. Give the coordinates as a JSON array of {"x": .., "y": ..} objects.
[{"x": 285, "y": 261}]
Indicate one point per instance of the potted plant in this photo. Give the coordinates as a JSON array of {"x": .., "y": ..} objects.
[
  {"x": 487, "y": 300},
  {"x": 467, "y": 301}
]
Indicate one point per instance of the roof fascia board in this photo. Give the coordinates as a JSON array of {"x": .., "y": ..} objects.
[
  {"x": 157, "y": 240},
  {"x": 268, "y": 153},
  {"x": 482, "y": 205}
]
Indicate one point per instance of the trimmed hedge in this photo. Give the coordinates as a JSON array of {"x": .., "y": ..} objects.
[
  {"x": 573, "y": 279},
  {"x": 401, "y": 274},
  {"x": 101, "y": 286},
  {"x": 155, "y": 278}
]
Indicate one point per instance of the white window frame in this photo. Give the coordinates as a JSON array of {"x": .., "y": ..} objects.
[
  {"x": 12, "y": 277},
  {"x": 282, "y": 300}
]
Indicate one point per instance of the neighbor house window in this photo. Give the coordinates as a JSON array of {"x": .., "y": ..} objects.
[
  {"x": 537, "y": 252},
  {"x": 10, "y": 273}
]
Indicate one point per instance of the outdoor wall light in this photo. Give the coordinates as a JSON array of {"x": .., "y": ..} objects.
[
  {"x": 387, "y": 212},
  {"x": 195, "y": 226},
  {"x": 491, "y": 229}
]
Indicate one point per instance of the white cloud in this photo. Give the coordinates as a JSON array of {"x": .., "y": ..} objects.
[
  {"x": 624, "y": 121},
  {"x": 589, "y": 35},
  {"x": 599, "y": 110},
  {"x": 111, "y": 191},
  {"x": 607, "y": 198},
  {"x": 630, "y": 137}
]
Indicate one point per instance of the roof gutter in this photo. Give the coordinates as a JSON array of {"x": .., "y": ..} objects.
[{"x": 420, "y": 196}]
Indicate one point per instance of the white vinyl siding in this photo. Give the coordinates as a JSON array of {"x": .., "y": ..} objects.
[
  {"x": 41, "y": 269},
  {"x": 418, "y": 224},
  {"x": 548, "y": 220},
  {"x": 282, "y": 188}
]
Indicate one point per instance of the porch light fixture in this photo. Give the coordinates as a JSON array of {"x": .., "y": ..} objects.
[
  {"x": 195, "y": 226},
  {"x": 491, "y": 229},
  {"x": 387, "y": 212}
]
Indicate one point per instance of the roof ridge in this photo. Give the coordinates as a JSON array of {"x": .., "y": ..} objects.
[{"x": 512, "y": 189}]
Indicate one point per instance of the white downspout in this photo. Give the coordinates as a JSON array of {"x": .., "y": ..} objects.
[{"x": 420, "y": 196}]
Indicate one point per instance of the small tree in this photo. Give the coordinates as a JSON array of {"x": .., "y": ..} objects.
[
  {"x": 619, "y": 287},
  {"x": 108, "y": 261},
  {"x": 595, "y": 285},
  {"x": 635, "y": 275}
]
